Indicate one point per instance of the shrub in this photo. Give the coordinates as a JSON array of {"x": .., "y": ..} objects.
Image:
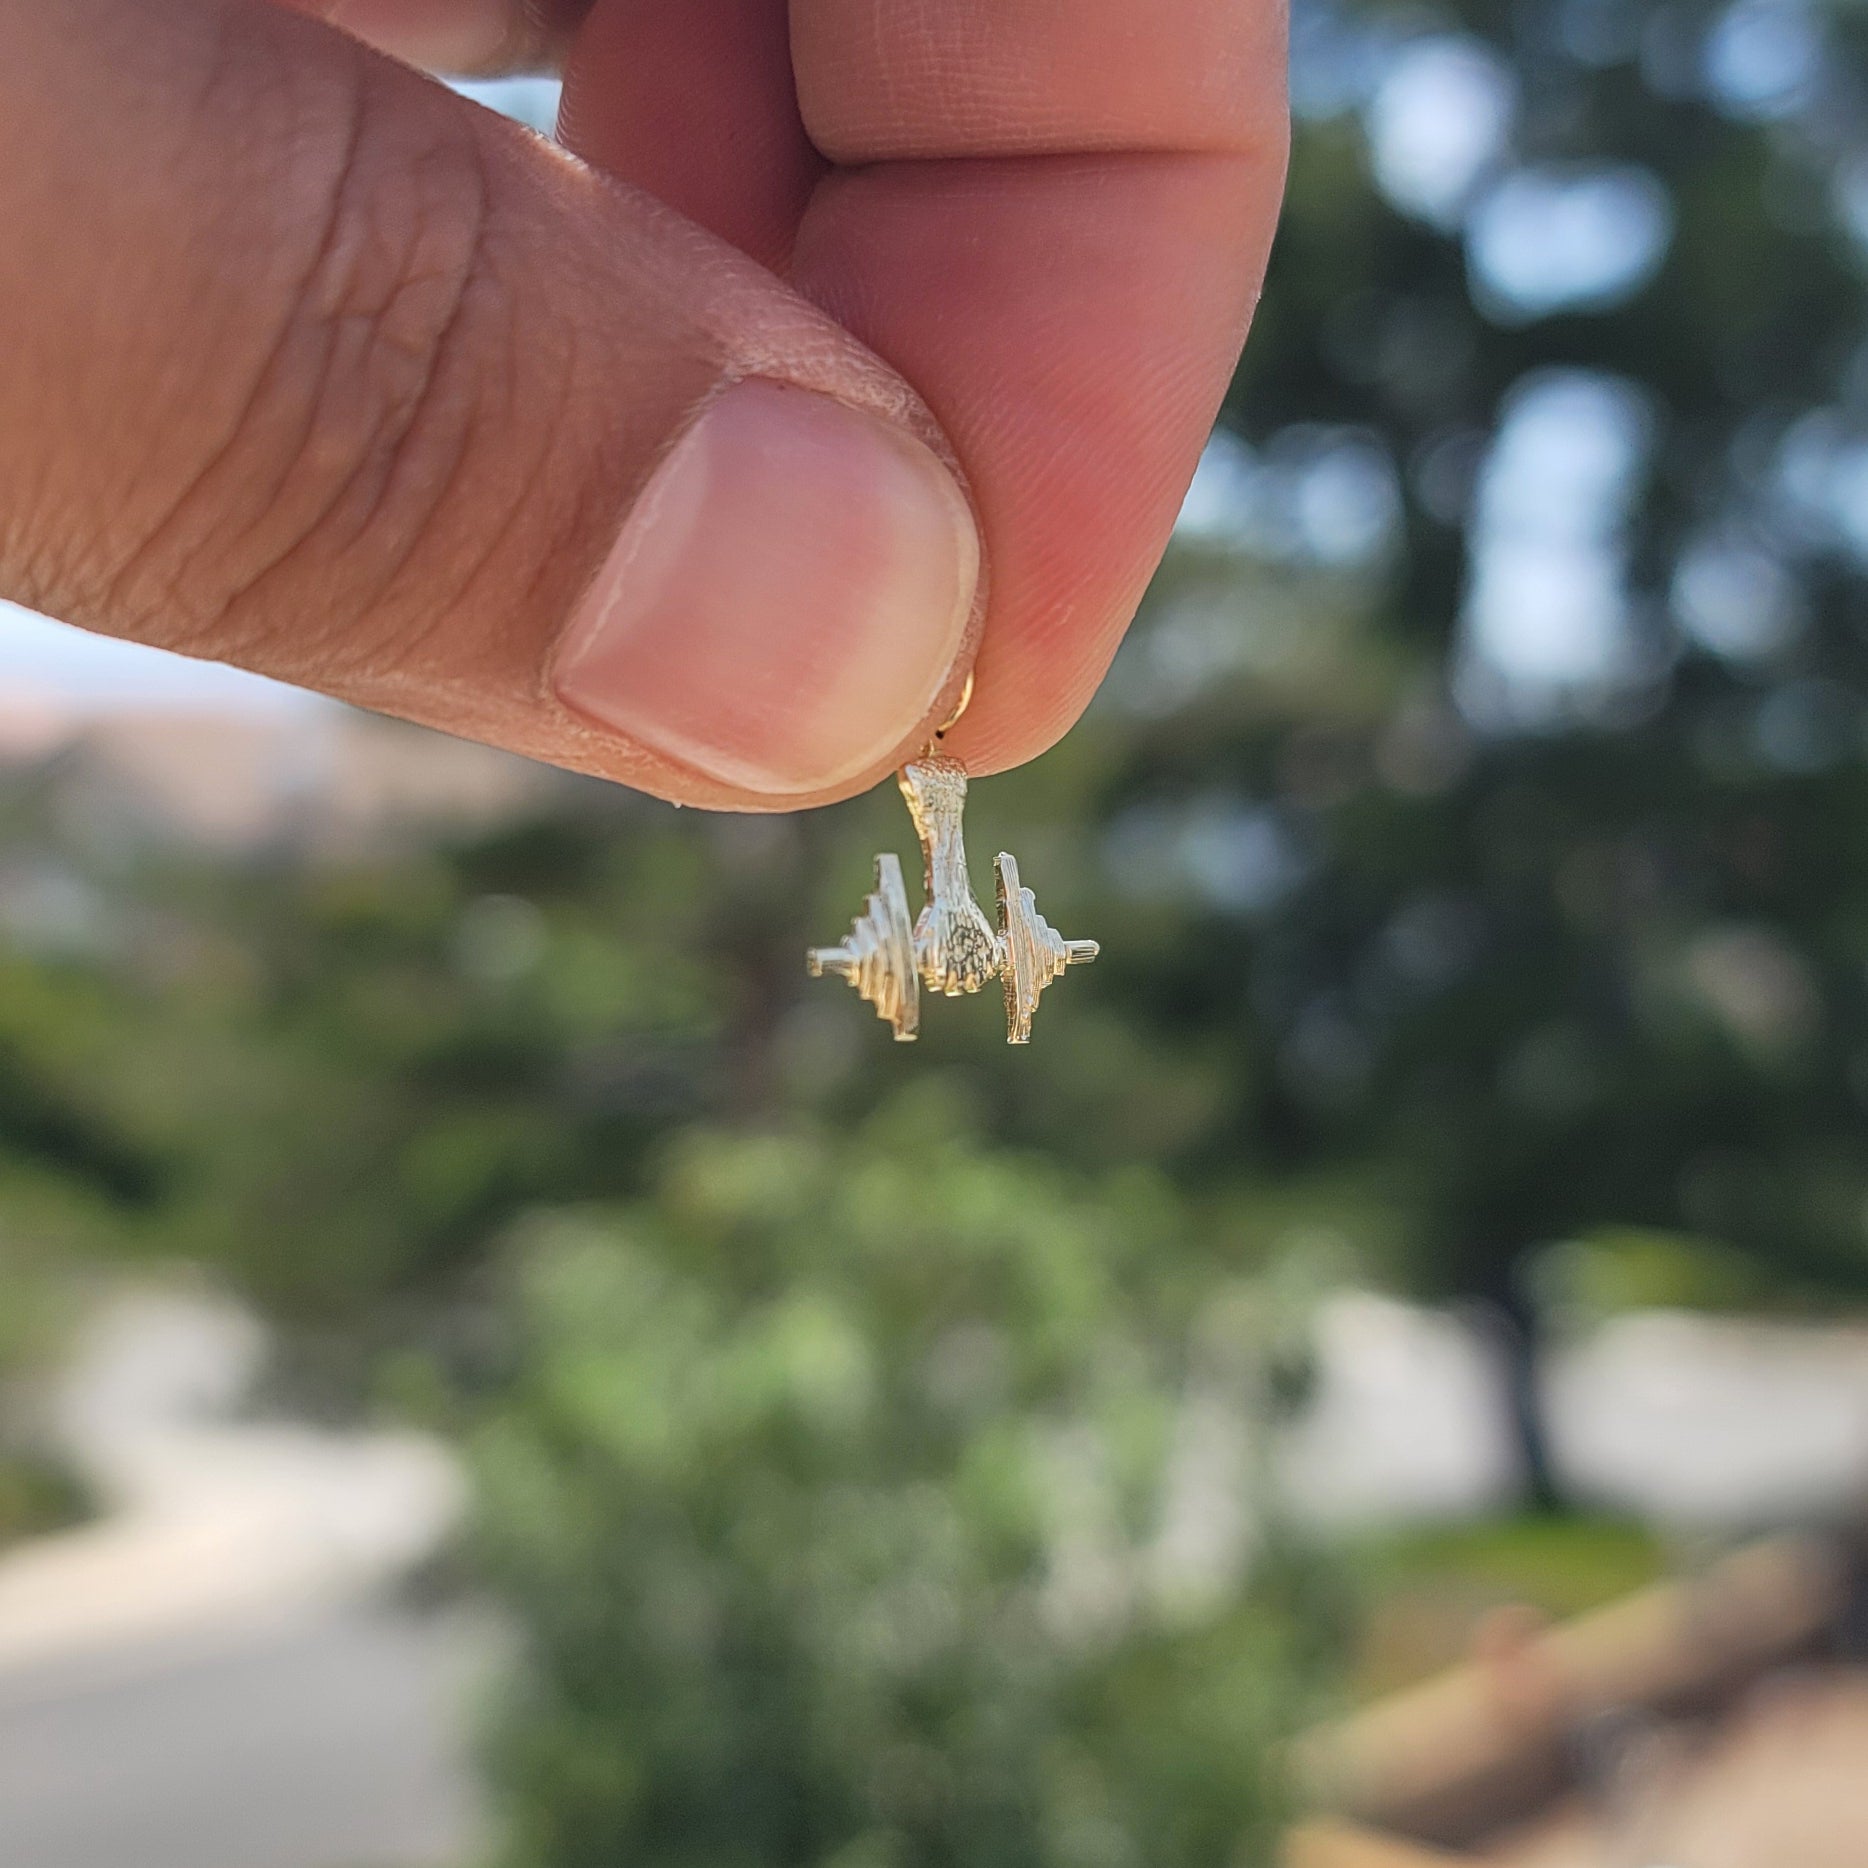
[{"x": 882, "y": 1503}]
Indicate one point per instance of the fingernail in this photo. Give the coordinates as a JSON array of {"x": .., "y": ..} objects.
[{"x": 786, "y": 599}]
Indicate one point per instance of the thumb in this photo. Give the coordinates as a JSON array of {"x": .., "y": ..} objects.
[{"x": 312, "y": 367}]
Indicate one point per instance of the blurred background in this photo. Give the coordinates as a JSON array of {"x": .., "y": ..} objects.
[{"x": 496, "y": 1367}]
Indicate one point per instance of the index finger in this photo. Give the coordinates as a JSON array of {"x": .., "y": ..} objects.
[
  {"x": 1052, "y": 216},
  {"x": 887, "y": 80}
]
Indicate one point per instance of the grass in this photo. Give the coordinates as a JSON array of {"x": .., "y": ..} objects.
[
  {"x": 38, "y": 1495},
  {"x": 1429, "y": 1592}
]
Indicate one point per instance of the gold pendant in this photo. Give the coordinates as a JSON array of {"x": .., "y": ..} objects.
[{"x": 952, "y": 948}]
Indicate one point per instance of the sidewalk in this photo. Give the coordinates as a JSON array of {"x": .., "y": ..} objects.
[
  {"x": 211, "y": 1520},
  {"x": 209, "y": 1676},
  {"x": 328, "y": 1739}
]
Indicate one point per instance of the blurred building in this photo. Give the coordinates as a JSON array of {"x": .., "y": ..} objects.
[{"x": 234, "y": 781}]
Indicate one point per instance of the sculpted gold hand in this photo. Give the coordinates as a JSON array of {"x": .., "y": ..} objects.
[
  {"x": 952, "y": 948},
  {"x": 955, "y": 948}
]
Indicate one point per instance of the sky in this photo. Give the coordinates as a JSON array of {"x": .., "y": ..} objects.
[{"x": 47, "y": 665}]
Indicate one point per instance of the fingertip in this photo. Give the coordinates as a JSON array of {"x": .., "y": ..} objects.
[
  {"x": 1073, "y": 325},
  {"x": 786, "y": 601}
]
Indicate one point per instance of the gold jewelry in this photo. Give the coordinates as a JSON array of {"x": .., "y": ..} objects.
[
  {"x": 952, "y": 949},
  {"x": 959, "y": 707}
]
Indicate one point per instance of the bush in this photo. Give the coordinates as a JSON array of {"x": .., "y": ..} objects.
[{"x": 881, "y": 1503}]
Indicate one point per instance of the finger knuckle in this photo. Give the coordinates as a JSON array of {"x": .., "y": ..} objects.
[{"x": 356, "y": 411}]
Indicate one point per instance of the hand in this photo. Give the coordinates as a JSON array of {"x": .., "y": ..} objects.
[{"x": 308, "y": 365}]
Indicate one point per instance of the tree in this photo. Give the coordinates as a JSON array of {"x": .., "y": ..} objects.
[{"x": 1490, "y": 770}]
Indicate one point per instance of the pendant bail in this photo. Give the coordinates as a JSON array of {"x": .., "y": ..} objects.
[{"x": 959, "y": 707}]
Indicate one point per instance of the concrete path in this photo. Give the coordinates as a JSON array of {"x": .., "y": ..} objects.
[
  {"x": 206, "y": 1677},
  {"x": 328, "y": 1741},
  {"x": 212, "y": 1518},
  {"x": 1699, "y": 1424}
]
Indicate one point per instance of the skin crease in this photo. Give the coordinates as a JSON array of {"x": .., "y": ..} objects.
[{"x": 1047, "y": 219}]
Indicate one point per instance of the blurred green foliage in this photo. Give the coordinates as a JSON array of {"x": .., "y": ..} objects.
[
  {"x": 72, "y": 1170},
  {"x": 1564, "y": 1568},
  {"x": 1429, "y": 1592},
  {"x": 889, "y": 1502},
  {"x": 862, "y": 1487},
  {"x": 1627, "y": 1269},
  {"x": 39, "y": 1493}
]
